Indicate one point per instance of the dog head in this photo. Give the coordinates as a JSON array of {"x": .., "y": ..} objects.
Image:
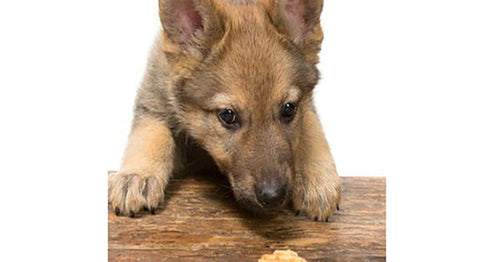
[{"x": 243, "y": 74}]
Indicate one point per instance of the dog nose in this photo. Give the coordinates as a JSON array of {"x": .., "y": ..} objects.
[{"x": 271, "y": 194}]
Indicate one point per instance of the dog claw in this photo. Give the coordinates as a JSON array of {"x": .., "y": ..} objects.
[
  {"x": 297, "y": 213},
  {"x": 132, "y": 214},
  {"x": 152, "y": 210},
  {"x": 338, "y": 208},
  {"x": 326, "y": 220},
  {"x": 316, "y": 219},
  {"x": 117, "y": 211}
]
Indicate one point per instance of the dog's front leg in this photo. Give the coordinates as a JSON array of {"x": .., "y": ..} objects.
[
  {"x": 145, "y": 170},
  {"x": 317, "y": 189}
]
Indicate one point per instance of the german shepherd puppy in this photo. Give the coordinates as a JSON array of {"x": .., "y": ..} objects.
[{"x": 235, "y": 78}]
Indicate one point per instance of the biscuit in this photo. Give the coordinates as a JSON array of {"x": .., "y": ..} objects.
[{"x": 282, "y": 255}]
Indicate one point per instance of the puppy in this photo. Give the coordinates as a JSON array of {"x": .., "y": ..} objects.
[{"x": 235, "y": 79}]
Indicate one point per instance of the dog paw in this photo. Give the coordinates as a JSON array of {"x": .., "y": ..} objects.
[
  {"x": 318, "y": 202},
  {"x": 128, "y": 194}
]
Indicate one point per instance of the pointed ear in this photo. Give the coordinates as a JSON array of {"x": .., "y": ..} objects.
[
  {"x": 299, "y": 20},
  {"x": 188, "y": 23},
  {"x": 296, "y": 18}
]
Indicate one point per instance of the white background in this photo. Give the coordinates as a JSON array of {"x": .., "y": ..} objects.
[{"x": 410, "y": 90}]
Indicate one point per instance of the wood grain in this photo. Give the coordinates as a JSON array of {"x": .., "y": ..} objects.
[{"x": 202, "y": 222}]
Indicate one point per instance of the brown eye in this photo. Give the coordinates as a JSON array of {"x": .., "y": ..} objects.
[
  {"x": 228, "y": 118},
  {"x": 287, "y": 112}
]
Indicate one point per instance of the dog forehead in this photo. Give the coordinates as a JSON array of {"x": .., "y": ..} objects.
[
  {"x": 255, "y": 74},
  {"x": 243, "y": 79},
  {"x": 251, "y": 66}
]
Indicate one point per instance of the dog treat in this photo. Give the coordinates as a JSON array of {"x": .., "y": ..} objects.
[{"x": 282, "y": 255}]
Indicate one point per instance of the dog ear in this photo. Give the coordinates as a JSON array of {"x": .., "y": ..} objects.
[
  {"x": 299, "y": 20},
  {"x": 188, "y": 24},
  {"x": 296, "y": 18}
]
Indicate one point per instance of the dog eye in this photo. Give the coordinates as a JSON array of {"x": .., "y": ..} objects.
[
  {"x": 228, "y": 118},
  {"x": 288, "y": 112}
]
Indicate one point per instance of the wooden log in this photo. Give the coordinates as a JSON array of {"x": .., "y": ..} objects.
[{"x": 201, "y": 221}]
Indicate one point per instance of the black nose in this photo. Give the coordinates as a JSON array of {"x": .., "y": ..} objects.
[{"x": 271, "y": 194}]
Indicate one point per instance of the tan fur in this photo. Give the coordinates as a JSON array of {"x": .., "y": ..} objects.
[
  {"x": 146, "y": 167},
  {"x": 317, "y": 185},
  {"x": 252, "y": 57}
]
